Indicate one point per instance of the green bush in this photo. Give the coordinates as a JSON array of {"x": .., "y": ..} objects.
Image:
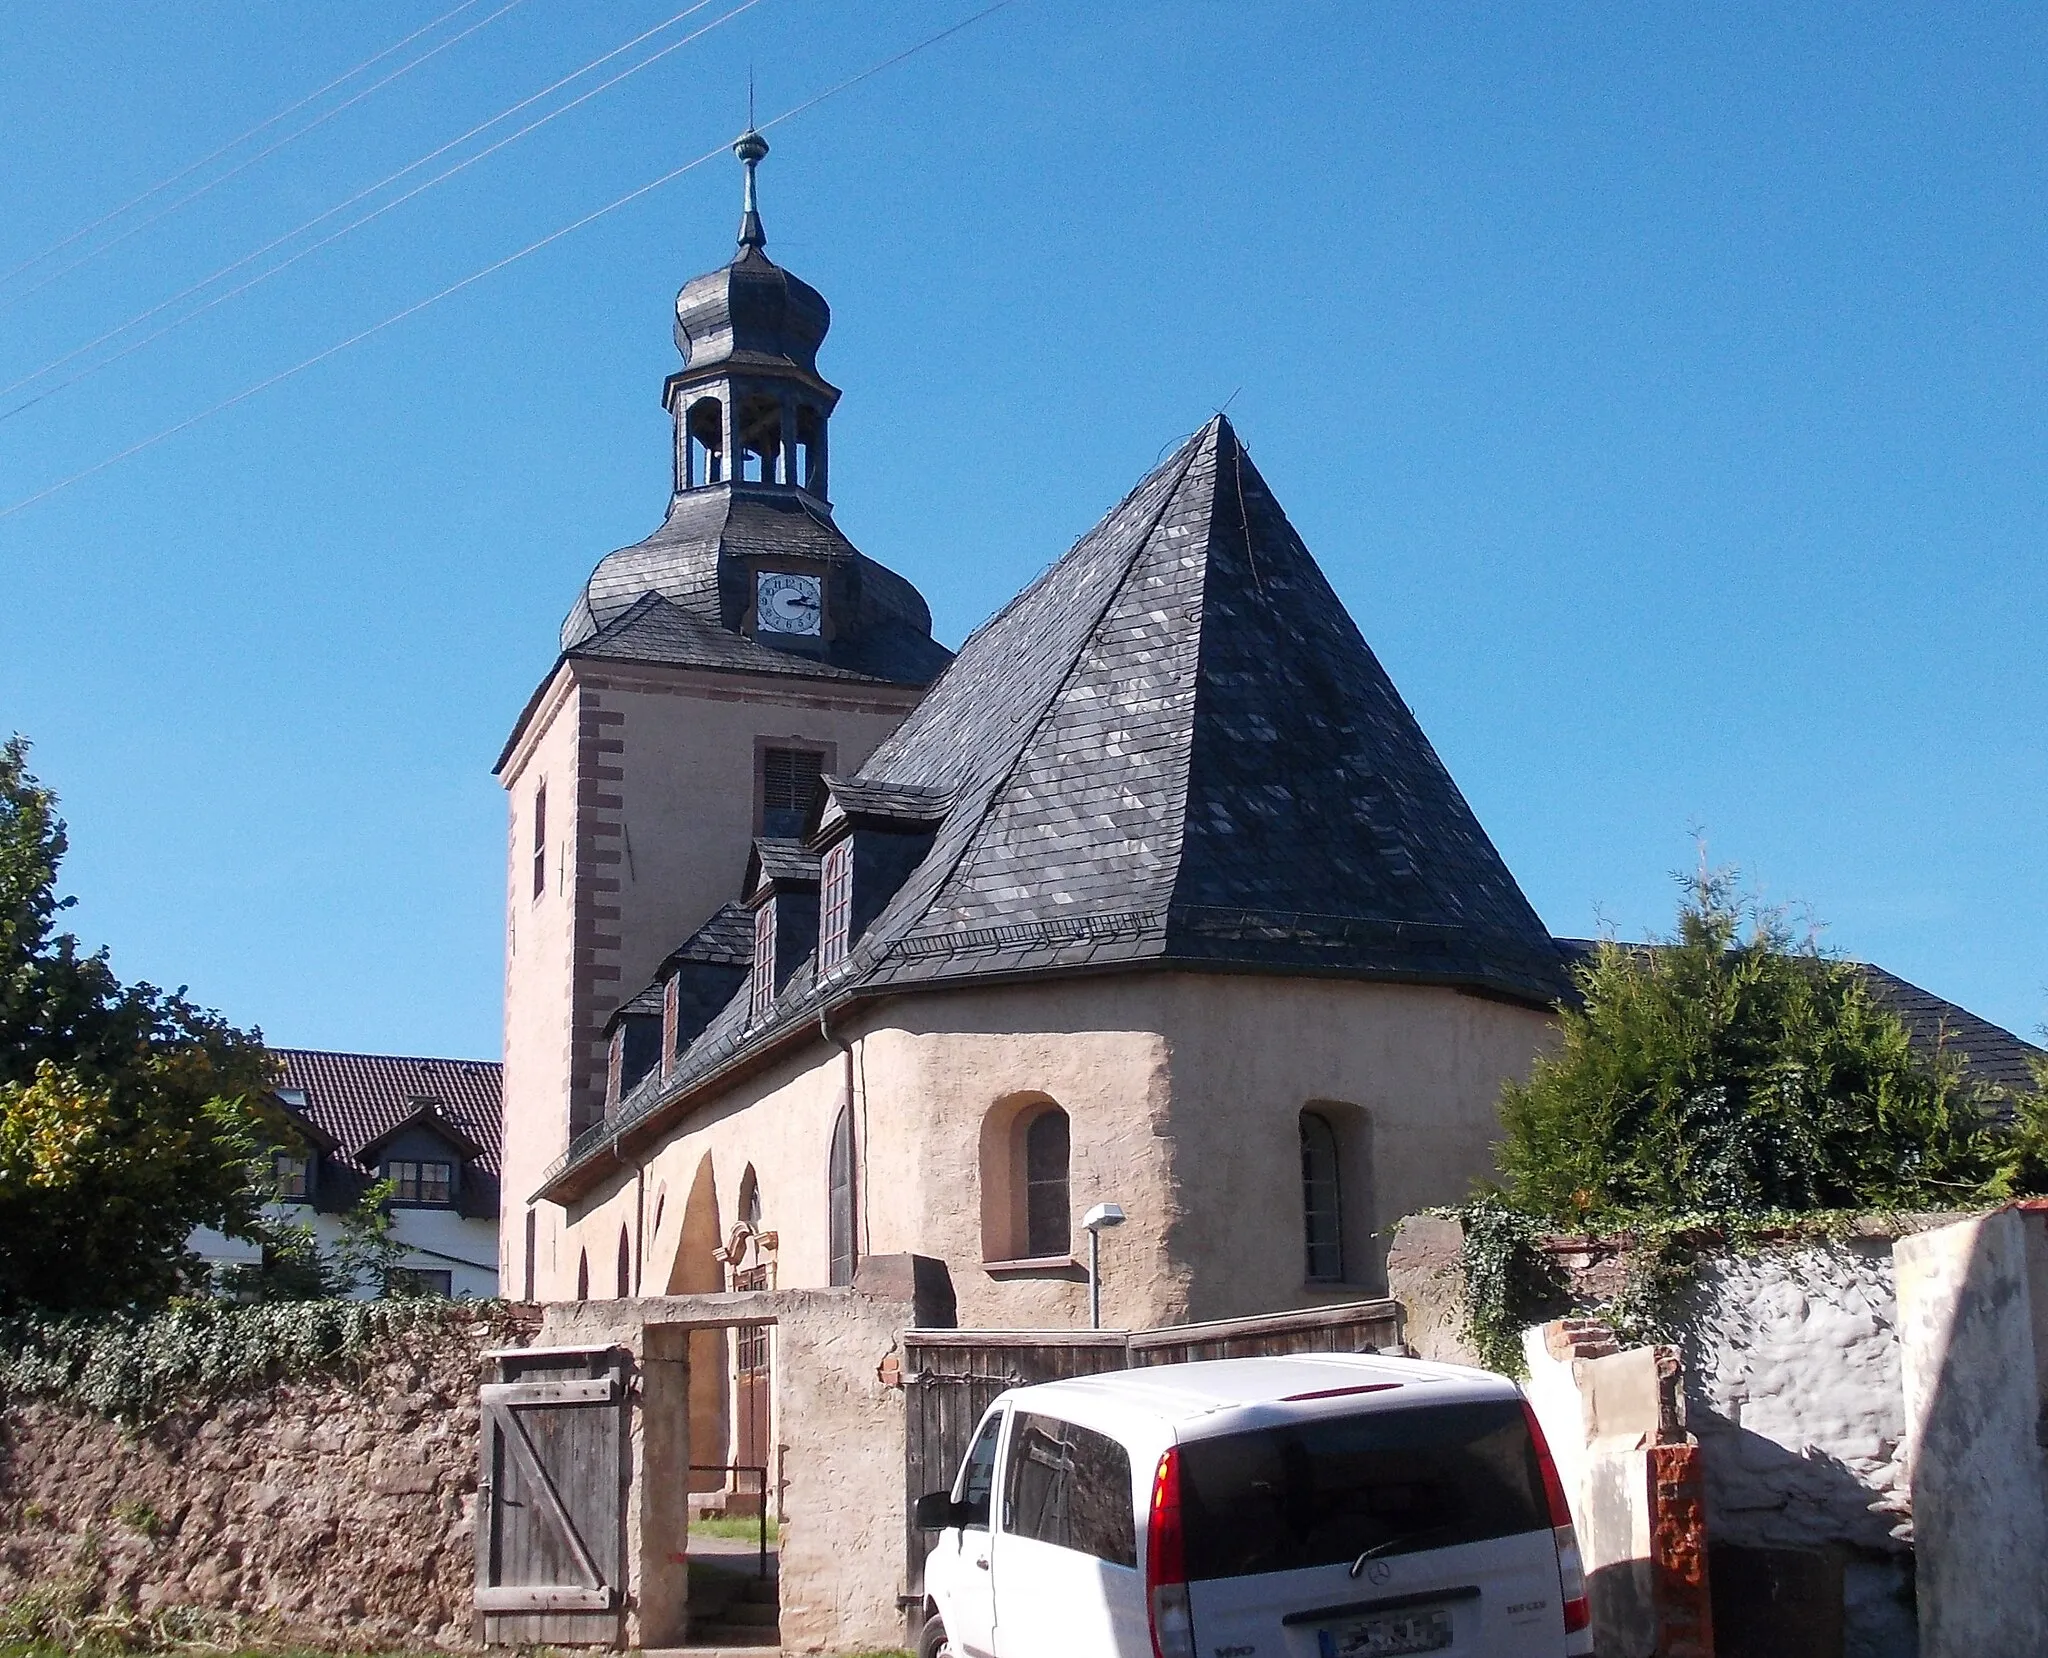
[
  {"x": 1734, "y": 1070},
  {"x": 135, "y": 1366}
]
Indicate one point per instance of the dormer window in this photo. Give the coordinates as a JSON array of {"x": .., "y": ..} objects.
[
  {"x": 291, "y": 1177},
  {"x": 761, "y": 975},
  {"x": 419, "y": 1182},
  {"x": 835, "y": 915}
]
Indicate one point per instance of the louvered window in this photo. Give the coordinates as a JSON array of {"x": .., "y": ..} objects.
[
  {"x": 789, "y": 783},
  {"x": 835, "y": 917}
]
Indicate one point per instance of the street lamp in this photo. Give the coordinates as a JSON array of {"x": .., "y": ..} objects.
[{"x": 1102, "y": 1215}]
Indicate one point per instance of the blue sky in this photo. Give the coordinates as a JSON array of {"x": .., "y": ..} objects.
[{"x": 1664, "y": 393}]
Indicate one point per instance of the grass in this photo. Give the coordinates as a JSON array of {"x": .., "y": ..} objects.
[{"x": 744, "y": 1527}]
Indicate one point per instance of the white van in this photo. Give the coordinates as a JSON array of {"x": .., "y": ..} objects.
[{"x": 1317, "y": 1506}]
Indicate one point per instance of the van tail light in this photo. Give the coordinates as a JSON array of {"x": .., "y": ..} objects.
[
  {"x": 1571, "y": 1566},
  {"x": 1166, "y": 1569}
]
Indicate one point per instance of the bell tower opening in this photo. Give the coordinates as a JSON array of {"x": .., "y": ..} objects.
[
  {"x": 704, "y": 444},
  {"x": 749, "y": 404},
  {"x": 761, "y": 449}
]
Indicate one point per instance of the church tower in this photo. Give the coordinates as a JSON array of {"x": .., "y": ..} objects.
[{"x": 707, "y": 677}]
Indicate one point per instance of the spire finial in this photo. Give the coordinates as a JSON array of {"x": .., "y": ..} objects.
[{"x": 750, "y": 147}]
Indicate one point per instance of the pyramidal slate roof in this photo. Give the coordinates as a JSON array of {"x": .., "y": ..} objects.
[
  {"x": 1173, "y": 749},
  {"x": 1176, "y": 747}
]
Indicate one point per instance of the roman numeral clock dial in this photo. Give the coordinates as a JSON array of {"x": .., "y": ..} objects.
[{"x": 786, "y": 603}]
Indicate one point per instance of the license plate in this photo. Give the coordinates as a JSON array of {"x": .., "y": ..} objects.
[{"x": 1388, "y": 1637}]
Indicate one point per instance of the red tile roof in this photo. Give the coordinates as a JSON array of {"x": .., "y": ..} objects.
[{"x": 358, "y": 1098}]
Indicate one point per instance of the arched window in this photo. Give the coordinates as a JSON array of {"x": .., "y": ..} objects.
[
  {"x": 1048, "y": 1224},
  {"x": 1322, "y": 1201},
  {"x": 704, "y": 448},
  {"x": 582, "y": 1275},
  {"x": 750, "y": 1202},
  {"x": 840, "y": 1196},
  {"x": 625, "y": 1265}
]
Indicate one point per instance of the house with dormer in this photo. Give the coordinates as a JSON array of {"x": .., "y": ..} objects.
[{"x": 431, "y": 1128}]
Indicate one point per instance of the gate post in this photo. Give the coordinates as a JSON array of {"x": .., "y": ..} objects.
[{"x": 658, "y": 1511}]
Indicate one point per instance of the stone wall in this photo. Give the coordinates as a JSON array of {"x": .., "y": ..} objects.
[
  {"x": 339, "y": 1506},
  {"x": 1973, "y": 1302},
  {"x": 1791, "y": 1359}
]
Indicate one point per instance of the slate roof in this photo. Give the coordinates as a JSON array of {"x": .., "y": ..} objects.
[
  {"x": 699, "y": 561},
  {"x": 1997, "y": 1058},
  {"x": 1175, "y": 747},
  {"x": 882, "y": 798},
  {"x": 1172, "y": 749},
  {"x": 358, "y": 1099},
  {"x": 783, "y": 861},
  {"x": 710, "y": 964}
]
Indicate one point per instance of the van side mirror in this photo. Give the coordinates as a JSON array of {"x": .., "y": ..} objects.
[{"x": 936, "y": 1511}]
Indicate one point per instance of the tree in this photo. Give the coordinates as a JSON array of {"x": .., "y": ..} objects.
[
  {"x": 1734, "y": 1068},
  {"x": 294, "y": 1266},
  {"x": 128, "y": 1115}
]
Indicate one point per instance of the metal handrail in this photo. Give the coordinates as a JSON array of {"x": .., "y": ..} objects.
[{"x": 761, "y": 1518}]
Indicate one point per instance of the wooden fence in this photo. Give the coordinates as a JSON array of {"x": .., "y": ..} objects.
[{"x": 950, "y": 1377}]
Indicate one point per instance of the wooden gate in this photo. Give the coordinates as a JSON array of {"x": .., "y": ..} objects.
[
  {"x": 951, "y": 1376},
  {"x": 551, "y": 1495}
]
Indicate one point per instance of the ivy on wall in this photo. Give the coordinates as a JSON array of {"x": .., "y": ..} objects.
[{"x": 137, "y": 1366}]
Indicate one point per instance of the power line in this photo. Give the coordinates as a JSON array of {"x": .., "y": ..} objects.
[
  {"x": 356, "y": 224},
  {"x": 269, "y": 150},
  {"x": 188, "y": 170},
  {"x": 495, "y": 266}
]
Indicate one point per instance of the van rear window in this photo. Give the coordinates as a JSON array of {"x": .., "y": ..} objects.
[{"x": 1392, "y": 1482}]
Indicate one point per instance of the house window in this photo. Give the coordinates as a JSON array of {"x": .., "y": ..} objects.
[
  {"x": 625, "y": 1265},
  {"x": 414, "y": 1182},
  {"x": 532, "y": 1249},
  {"x": 761, "y": 975},
  {"x": 1047, "y": 1225},
  {"x": 582, "y": 1275},
  {"x": 289, "y": 1175},
  {"x": 840, "y": 1202},
  {"x": 835, "y": 917},
  {"x": 419, "y": 1281},
  {"x": 1322, "y": 1204},
  {"x": 789, "y": 783},
  {"x": 540, "y": 840}
]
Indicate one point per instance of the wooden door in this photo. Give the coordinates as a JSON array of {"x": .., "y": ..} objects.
[
  {"x": 550, "y": 1542},
  {"x": 753, "y": 1389}
]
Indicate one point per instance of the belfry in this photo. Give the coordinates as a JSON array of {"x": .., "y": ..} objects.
[
  {"x": 749, "y": 546},
  {"x": 708, "y": 676}
]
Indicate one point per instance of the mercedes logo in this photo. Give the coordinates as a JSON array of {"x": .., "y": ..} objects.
[{"x": 1378, "y": 1572}]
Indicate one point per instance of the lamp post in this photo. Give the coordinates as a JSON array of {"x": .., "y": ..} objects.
[{"x": 1102, "y": 1215}]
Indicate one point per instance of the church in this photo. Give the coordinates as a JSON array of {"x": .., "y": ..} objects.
[{"x": 822, "y": 943}]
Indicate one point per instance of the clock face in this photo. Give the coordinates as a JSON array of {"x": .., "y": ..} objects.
[{"x": 785, "y": 603}]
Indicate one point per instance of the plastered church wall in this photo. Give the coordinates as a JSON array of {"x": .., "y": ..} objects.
[{"x": 1183, "y": 1093}]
